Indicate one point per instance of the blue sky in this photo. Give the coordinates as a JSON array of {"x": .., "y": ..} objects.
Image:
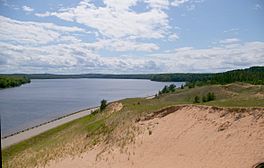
[{"x": 130, "y": 36}]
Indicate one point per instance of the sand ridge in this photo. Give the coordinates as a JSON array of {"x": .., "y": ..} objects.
[{"x": 182, "y": 137}]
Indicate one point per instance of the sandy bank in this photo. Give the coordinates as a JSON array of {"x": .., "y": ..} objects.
[{"x": 190, "y": 136}]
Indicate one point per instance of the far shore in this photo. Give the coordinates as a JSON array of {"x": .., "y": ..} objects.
[{"x": 19, "y": 136}]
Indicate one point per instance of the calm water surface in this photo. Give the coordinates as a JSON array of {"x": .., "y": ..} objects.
[{"x": 43, "y": 100}]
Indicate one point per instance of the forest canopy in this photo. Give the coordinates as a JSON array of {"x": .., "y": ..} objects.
[{"x": 13, "y": 81}]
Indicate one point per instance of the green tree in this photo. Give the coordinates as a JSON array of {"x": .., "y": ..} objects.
[
  {"x": 103, "y": 105},
  {"x": 172, "y": 88},
  {"x": 182, "y": 87},
  {"x": 165, "y": 89},
  {"x": 209, "y": 96}
]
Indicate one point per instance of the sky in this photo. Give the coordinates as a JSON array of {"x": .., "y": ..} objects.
[{"x": 130, "y": 36}]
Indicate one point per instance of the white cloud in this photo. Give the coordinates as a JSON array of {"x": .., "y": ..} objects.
[
  {"x": 173, "y": 37},
  {"x": 178, "y": 2},
  {"x": 125, "y": 45},
  {"x": 43, "y": 14},
  {"x": 119, "y": 5},
  {"x": 232, "y": 31},
  {"x": 158, "y": 3},
  {"x": 34, "y": 33},
  {"x": 27, "y": 9},
  {"x": 112, "y": 22},
  {"x": 229, "y": 40},
  {"x": 81, "y": 58}
]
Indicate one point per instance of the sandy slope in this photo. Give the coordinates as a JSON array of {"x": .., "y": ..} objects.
[{"x": 199, "y": 137}]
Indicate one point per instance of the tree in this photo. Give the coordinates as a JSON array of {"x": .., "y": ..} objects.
[
  {"x": 165, "y": 89},
  {"x": 172, "y": 88},
  {"x": 182, "y": 87},
  {"x": 103, "y": 105},
  {"x": 209, "y": 96},
  {"x": 196, "y": 99}
]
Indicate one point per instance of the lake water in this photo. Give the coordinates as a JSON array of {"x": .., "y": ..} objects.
[{"x": 43, "y": 100}]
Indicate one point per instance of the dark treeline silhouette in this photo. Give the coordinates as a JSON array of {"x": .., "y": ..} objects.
[
  {"x": 180, "y": 77},
  {"x": 253, "y": 75},
  {"x": 13, "y": 81}
]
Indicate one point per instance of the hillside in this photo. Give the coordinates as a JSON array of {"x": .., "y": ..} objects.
[{"x": 123, "y": 123}]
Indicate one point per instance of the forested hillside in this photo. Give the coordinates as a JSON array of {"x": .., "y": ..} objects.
[
  {"x": 13, "y": 81},
  {"x": 253, "y": 75}
]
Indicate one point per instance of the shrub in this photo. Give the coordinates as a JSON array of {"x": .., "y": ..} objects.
[
  {"x": 196, "y": 99},
  {"x": 165, "y": 89},
  {"x": 182, "y": 87},
  {"x": 210, "y": 96},
  {"x": 172, "y": 88},
  {"x": 103, "y": 105}
]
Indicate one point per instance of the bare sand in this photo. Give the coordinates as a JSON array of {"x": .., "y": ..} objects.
[{"x": 193, "y": 136}]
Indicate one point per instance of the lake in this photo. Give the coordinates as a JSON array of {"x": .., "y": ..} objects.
[{"x": 45, "y": 99}]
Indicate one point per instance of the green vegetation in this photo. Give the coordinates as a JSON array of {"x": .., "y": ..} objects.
[
  {"x": 13, "y": 81},
  {"x": 180, "y": 77},
  {"x": 253, "y": 75},
  {"x": 196, "y": 99},
  {"x": 210, "y": 97},
  {"x": 168, "y": 89},
  {"x": 101, "y": 127},
  {"x": 103, "y": 105}
]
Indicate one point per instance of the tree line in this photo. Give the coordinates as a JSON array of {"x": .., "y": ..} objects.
[{"x": 253, "y": 75}]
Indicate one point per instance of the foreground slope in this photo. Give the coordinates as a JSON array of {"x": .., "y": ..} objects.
[
  {"x": 126, "y": 124},
  {"x": 187, "y": 136}
]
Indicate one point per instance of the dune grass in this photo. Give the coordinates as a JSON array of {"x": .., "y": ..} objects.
[{"x": 80, "y": 135}]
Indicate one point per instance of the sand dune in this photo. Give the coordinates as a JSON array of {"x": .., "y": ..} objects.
[{"x": 192, "y": 136}]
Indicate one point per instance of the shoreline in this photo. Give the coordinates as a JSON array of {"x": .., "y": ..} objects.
[
  {"x": 27, "y": 133},
  {"x": 19, "y": 136}
]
